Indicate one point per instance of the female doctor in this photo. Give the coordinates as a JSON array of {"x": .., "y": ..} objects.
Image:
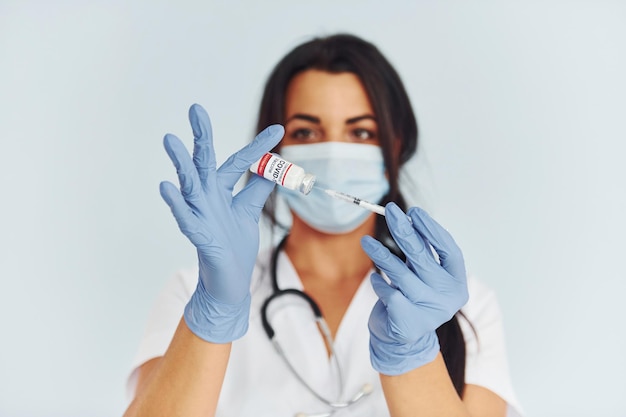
[{"x": 392, "y": 340}]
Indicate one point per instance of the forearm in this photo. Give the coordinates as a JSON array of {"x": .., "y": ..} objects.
[
  {"x": 186, "y": 381},
  {"x": 425, "y": 391}
]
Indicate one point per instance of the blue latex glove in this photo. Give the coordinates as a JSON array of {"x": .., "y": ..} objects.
[
  {"x": 423, "y": 293},
  {"x": 223, "y": 228}
]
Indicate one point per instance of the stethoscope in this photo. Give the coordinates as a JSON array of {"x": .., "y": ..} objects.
[{"x": 365, "y": 390}]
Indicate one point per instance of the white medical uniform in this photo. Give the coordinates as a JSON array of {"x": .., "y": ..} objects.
[{"x": 258, "y": 382}]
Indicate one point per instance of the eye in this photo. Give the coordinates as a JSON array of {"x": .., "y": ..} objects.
[
  {"x": 361, "y": 134},
  {"x": 303, "y": 134}
]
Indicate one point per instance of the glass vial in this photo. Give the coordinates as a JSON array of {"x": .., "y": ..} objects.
[{"x": 274, "y": 168}]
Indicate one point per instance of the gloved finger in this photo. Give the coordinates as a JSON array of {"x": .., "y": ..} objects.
[
  {"x": 415, "y": 246},
  {"x": 190, "y": 187},
  {"x": 240, "y": 161},
  {"x": 399, "y": 274},
  {"x": 185, "y": 218},
  {"x": 403, "y": 233},
  {"x": 203, "y": 151},
  {"x": 252, "y": 197},
  {"x": 450, "y": 255},
  {"x": 377, "y": 322},
  {"x": 399, "y": 308},
  {"x": 383, "y": 290}
]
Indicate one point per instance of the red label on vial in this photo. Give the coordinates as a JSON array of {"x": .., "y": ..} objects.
[{"x": 263, "y": 163}]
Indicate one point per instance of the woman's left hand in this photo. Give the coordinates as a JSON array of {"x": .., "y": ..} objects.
[{"x": 423, "y": 292}]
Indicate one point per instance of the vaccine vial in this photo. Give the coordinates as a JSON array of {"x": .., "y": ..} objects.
[{"x": 274, "y": 168}]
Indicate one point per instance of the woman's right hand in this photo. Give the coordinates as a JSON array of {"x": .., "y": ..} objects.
[
  {"x": 223, "y": 228},
  {"x": 423, "y": 292}
]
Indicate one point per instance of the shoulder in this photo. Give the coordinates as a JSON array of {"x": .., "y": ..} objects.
[
  {"x": 481, "y": 318},
  {"x": 182, "y": 283},
  {"x": 482, "y": 302},
  {"x": 483, "y": 330},
  {"x": 262, "y": 267},
  {"x": 260, "y": 285}
]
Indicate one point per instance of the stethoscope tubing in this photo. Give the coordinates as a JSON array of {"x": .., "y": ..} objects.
[{"x": 269, "y": 330}]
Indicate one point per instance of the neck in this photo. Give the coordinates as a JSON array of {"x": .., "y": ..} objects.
[
  {"x": 331, "y": 267},
  {"x": 329, "y": 256}
]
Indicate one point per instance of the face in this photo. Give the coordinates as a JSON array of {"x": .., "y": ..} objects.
[{"x": 322, "y": 106}]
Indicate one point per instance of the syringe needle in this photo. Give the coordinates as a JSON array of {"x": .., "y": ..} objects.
[{"x": 355, "y": 200}]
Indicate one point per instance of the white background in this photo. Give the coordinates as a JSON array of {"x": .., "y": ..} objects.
[{"x": 521, "y": 107}]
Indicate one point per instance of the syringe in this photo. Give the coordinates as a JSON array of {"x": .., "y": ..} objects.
[{"x": 355, "y": 200}]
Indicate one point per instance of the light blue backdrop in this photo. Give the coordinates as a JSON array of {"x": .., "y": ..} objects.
[{"x": 521, "y": 107}]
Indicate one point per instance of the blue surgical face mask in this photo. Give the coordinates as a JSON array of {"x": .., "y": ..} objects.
[{"x": 352, "y": 168}]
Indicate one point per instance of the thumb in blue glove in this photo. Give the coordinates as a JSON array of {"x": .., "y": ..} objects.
[
  {"x": 223, "y": 228},
  {"x": 421, "y": 295}
]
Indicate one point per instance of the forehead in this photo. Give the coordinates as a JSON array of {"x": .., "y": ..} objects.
[{"x": 327, "y": 95}]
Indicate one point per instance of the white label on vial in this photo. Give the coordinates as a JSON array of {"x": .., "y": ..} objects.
[{"x": 273, "y": 168}]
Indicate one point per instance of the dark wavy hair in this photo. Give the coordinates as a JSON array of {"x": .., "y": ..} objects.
[{"x": 397, "y": 129}]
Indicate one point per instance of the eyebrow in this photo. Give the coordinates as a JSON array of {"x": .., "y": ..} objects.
[
  {"x": 306, "y": 117},
  {"x": 317, "y": 120},
  {"x": 358, "y": 118}
]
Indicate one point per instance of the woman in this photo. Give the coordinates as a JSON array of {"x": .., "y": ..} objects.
[{"x": 347, "y": 119}]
